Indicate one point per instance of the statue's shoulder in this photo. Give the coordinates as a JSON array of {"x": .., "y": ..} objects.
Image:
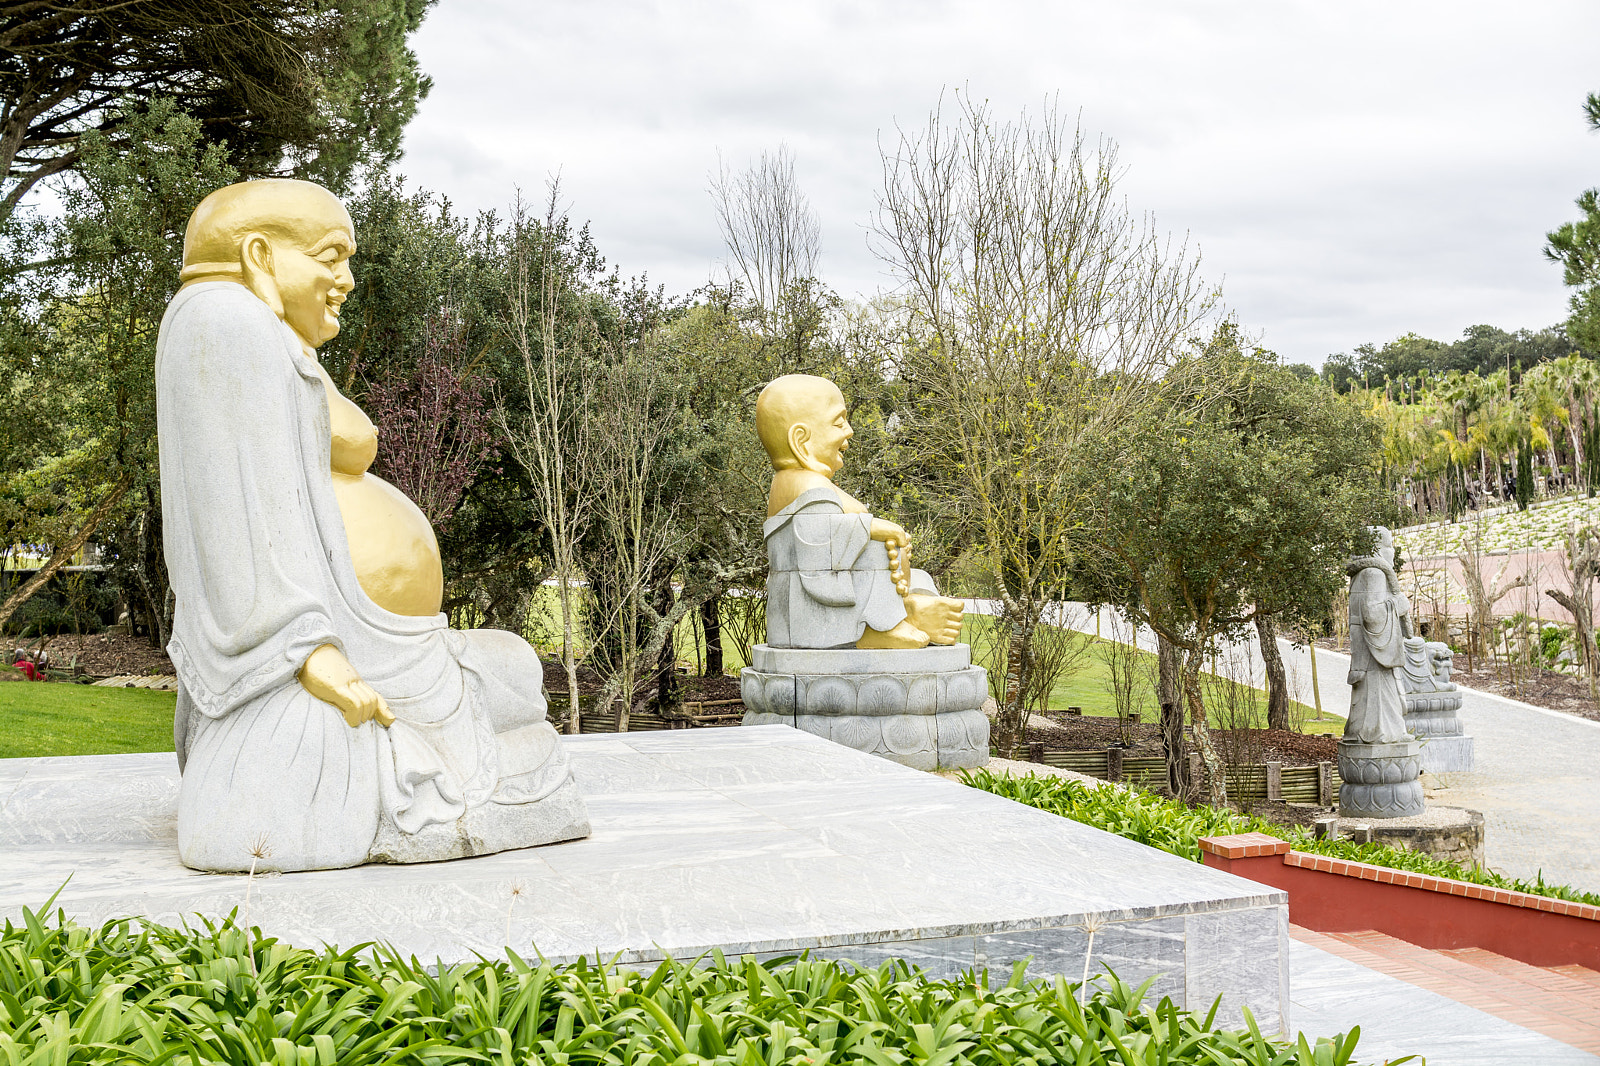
[
  {"x": 220, "y": 296},
  {"x": 820, "y": 497},
  {"x": 823, "y": 498}
]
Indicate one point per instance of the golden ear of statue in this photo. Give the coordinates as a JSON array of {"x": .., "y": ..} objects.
[{"x": 255, "y": 263}]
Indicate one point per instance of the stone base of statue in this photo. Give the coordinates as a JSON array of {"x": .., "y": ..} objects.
[
  {"x": 1454, "y": 834},
  {"x": 920, "y": 707},
  {"x": 1380, "y": 780},
  {"x": 1431, "y": 717}
]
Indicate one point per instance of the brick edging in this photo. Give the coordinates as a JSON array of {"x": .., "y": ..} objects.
[{"x": 1253, "y": 845}]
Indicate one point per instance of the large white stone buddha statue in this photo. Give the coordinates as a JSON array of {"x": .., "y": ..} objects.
[{"x": 327, "y": 713}]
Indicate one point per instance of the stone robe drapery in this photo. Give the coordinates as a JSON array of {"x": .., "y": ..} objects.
[
  {"x": 827, "y": 578},
  {"x": 261, "y": 570},
  {"x": 1379, "y": 615}
]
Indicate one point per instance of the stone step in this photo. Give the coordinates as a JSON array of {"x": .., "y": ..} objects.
[
  {"x": 1579, "y": 973},
  {"x": 1559, "y": 1002}
]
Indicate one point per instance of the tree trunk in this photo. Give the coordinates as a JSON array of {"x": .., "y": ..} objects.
[
  {"x": 1011, "y": 722},
  {"x": 1216, "y": 780},
  {"x": 1277, "y": 678},
  {"x": 1581, "y": 607},
  {"x": 64, "y": 552},
  {"x": 1174, "y": 747},
  {"x": 711, "y": 623},
  {"x": 669, "y": 693}
]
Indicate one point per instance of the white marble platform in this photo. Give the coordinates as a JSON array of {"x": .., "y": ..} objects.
[{"x": 762, "y": 840}]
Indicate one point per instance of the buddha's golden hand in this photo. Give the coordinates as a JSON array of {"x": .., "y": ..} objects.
[
  {"x": 328, "y": 676},
  {"x": 899, "y": 544}
]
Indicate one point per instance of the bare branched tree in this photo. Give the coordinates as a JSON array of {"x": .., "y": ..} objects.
[
  {"x": 770, "y": 229},
  {"x": 1038, "y": 311},
  {"x": 554, "y": 439},
  {"x": 638, "y": 525},
  {"x": 1127, "y": 678}
]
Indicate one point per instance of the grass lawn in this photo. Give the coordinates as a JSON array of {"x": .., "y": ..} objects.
[
  {"x": 59, "y": 718},
  {"x": 1087, "y": 689}
]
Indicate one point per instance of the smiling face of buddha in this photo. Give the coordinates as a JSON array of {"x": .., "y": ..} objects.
[
  {"x": 802, "y": 422},
  {"x": 287, "y": 241}
]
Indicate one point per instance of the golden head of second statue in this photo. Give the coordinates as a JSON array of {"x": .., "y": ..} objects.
[
  {"x": 838, "y": 577},
  {"x": 287, "y": 241}
]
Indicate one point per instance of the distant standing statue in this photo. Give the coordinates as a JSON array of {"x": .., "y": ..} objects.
[
  {"x": 327, "y": 713},
  {"x": 1379, "y": 761},
  {"x": 1380, "y": 626},
  {"x": 861, "y": 648}
]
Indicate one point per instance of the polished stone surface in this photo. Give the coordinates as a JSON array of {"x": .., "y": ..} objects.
[
  {"x": 1447, "y": 755},
  {"x": 760, "y": 840}
]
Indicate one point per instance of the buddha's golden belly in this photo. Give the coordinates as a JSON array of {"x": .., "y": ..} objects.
[{"x": 395, "y": 553}]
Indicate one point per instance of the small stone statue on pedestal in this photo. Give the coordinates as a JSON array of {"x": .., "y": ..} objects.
[
  {"x": 1432, "y": 701},
  {"x": 861, "y": 648},
  {"x": 1379, "y": 760}
]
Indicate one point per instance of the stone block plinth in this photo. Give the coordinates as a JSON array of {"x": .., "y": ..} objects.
[
  {"x": 1432, "y": 718},
  {"x": 1380, "y": 780},
  {"x": 918, "y": 707}
]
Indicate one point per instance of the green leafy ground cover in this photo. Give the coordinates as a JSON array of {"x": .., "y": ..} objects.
[
  {"x": 1175, "y": 827},
  {"x": 1543, "y": 526},
  {"x": 133, "y": 992},
  {"x": 59, "y": 718}
]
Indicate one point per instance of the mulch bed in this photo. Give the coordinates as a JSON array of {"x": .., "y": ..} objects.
[
  {"x": 102, "y": 655},
  {"x": 1547, "y": 688}
]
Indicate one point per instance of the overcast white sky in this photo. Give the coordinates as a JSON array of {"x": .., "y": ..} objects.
[{"x": 1351, "y": 171}]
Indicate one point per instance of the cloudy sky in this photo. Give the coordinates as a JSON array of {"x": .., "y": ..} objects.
[{"x": 1351, "y": 171}]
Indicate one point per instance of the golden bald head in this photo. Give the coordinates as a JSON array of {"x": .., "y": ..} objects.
[
  {"x": 282, "y": 209},
  {"x": 802, "y": 400}
]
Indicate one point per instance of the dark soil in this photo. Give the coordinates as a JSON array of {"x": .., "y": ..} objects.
[
  {"x": 1547, "y": 688},
  {"x": 103, "y": 655},
  {"x": 1235, "y": 745}
]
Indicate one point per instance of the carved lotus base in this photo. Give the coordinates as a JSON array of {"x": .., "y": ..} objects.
[
  {"x": 921, "y": 708},
  {"x": 1380, "y": 780}
]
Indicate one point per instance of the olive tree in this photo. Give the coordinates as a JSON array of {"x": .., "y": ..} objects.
[{"x": 1240, "y": 491}]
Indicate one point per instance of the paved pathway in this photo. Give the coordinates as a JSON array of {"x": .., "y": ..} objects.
[{"x": 1537, "y": 778}]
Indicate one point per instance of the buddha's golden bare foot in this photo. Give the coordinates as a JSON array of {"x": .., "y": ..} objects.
[
  {"x": 903, "y": 635},
  {"x": 937, "y": 616}
]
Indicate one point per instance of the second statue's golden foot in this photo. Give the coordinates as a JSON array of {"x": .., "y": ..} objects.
[
  {"x": 903, "y": 635},
  {"x": 937, "y": 616}
]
